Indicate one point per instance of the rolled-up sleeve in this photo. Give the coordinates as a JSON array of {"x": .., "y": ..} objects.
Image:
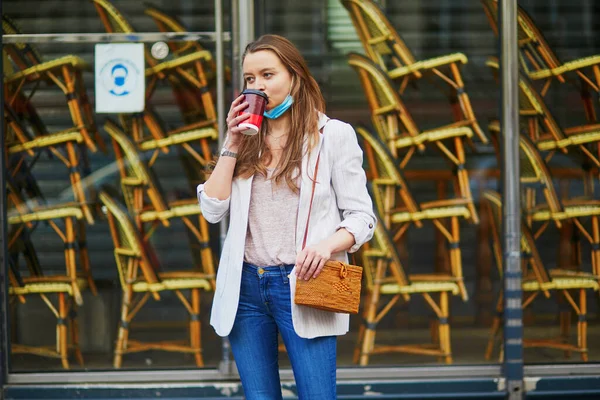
[
  {"x": 350, "y": 184},
  {"x": 213, "y": 209}
]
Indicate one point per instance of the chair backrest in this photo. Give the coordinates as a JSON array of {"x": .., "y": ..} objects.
[
  {"x": 529, "y": 252},
  {"x": 388, "y": 182},
  {"x": 382, "y": 249},
  {"x": 112, "y": 19},
  {"x": 115, "y": 22},
  {"x": 381, "y": 41},
  {"x": 134, "y": 173},
  {"x": 535, "y": 53},
  {"x": 390, "y": 116},
  {"x": 24, "y": 55},
  {"x": 536, "y": 117},
  {"x": 535, "y": 174},
  {"x": 131, "y": 254}
]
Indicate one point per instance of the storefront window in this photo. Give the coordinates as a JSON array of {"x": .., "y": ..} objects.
[
  {"x": 102, "y": 209},
  {"x": 111, "y": 264},
  {"x": 438, "y": 99}
]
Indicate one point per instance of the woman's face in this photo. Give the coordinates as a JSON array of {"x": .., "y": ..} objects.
[{"x": 264, "y": 71}]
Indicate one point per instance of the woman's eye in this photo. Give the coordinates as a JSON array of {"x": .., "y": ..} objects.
[
  {"x": 249, "y": 79},
  {"x": 268, "y": 75}
]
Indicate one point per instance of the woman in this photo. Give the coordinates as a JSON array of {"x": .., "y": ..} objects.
[{"x": 265, "y": 182}]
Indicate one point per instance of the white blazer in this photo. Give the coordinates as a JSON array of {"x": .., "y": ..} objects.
[{"x": 341, "y": 200}]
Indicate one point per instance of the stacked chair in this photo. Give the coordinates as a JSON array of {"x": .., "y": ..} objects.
[
  {"x": 385, "y": 72},
  {"x": 186, "y": 75},
  {"x": 23, "y": 217},
  {"x": 145, "y": 201},
  {"x": 384, "y": 46},
  {"x": 541, "y": 139},
  {"x": 385, "y": 274},
  {"x": 578, "y": 142},
  {"x": 138, "y": 141},
  {"x": 583, "y": 213},
  {"x": 69, "y": 146},
  {"x": 27, "y": 139},
  {"x": 141, "y": 278},
  {"x": 537, "y": 279},
  {"x": 397, "y": 128},
  {"x": 540, "y": 63}
]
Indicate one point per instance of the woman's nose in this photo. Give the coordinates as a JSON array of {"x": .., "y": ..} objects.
[{"x": 258, "y": 85}]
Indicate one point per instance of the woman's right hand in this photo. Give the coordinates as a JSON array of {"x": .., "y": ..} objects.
[{"x": 234, "y": 132}]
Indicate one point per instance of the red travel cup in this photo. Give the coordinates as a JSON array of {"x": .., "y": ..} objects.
[{"x": 257, "y": 101}]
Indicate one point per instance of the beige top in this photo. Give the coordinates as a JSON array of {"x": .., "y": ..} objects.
[{"x": 271, "y": 234}]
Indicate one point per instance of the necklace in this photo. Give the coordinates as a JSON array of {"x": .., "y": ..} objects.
[{"x": 277, "y": 138}]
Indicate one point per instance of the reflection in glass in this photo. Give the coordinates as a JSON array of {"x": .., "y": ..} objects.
[{"x": 62, "y": 232}]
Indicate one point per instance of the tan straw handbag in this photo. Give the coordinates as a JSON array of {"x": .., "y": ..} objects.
[{"x": 337, "y": 288}]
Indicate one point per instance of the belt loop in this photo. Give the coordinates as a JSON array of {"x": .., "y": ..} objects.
[{"x": 284, "y": 273}]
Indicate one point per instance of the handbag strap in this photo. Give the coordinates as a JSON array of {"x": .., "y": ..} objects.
[{"x": 312, "y": 194}]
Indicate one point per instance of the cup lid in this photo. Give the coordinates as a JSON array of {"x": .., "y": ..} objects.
[{"x": 256, "y": 92}]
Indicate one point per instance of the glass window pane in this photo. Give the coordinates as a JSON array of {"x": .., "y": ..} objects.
[
  {"x": 430, "y": 261},
  {"x": 111, "y": 263},
  {"x": 559, "y": 180}
]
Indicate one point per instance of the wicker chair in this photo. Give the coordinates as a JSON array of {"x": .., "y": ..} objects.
[
  {"x": 581, "y": 142},
  {"x": 540, "y": 62},
  {"x": 23, "y": 215},
  {"x": 399, "y": 210},
  {"x": 64, "y": 73},
  {"x": 535, "y": 177},
  {"x": 384, "y": 46},
  {"x": 139, "y": 279},
  {"x": 397, "y": 129},
  {"x": 67, "y": 287},
  {"x": 146, "y": 204},
  {"x": 188, "y": 99},
  {"x": 536, "y": 280},
  {"x": 20, "y": 141},
  {"x": 385, "y": 277},
  {"x": 183, "y": 73}
]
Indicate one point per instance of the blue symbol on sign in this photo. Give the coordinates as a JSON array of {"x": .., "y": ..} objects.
[
  {"x": 119, "y": 73},
  {"x": 119, "y": 77}
]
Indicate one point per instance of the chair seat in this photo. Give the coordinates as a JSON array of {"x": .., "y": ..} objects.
[
  {"x": 433, "y": 135},
  {"x": 69, "y": 135},
  {"x": 52, "y": 284},
  {"x": 179, "y": 138},
  {"x": 177, "y": 209},
  {"x": 570, "y": 140},
  {"x": 32, "y": 72},
  {"x": 179, "y": 62},
  {"x": 428, "y": 64},
  {"x": 573, "y": 208},
  {"x": 176, "y": 280},
  {"x": 566, "y": 67},
  {"x": 431, "y": 213},
  {"x": 563, "y": 280},
  {"x": 46, "y": 213},
  {"x": 424, "y": 283}
]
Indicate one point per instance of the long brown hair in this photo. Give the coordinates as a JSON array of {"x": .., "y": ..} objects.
[{"x": 253, "y": 153}]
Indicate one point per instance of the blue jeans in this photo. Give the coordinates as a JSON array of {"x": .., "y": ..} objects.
[{"x": 264, "y": 310}]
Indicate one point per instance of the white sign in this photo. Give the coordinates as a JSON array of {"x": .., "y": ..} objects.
[{"x": 120, "y": 78}]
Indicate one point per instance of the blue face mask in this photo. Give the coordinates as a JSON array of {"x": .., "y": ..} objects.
[{"x": 278, "y": 111}]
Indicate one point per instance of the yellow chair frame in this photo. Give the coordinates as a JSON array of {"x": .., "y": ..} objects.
[
  {"x": 536, "y": 280},
  {"x": 384, "y": 46},
  {"x": 541, "y": 63},
  {"x": 139, "y": 280}
]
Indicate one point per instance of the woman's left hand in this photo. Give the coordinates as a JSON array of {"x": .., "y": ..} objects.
[{"x": 310, "y": 261}]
